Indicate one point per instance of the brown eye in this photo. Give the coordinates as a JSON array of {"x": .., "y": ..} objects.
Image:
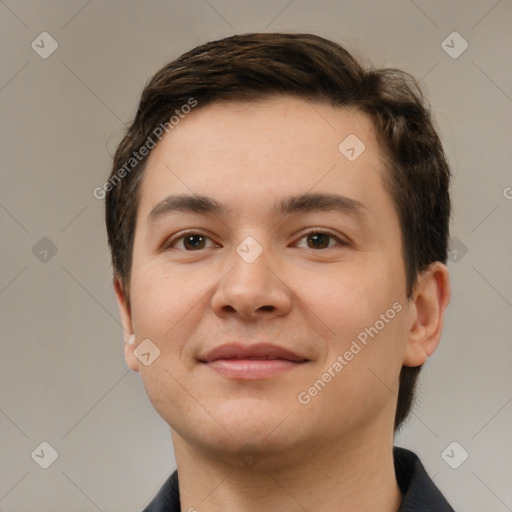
[
  {"x": 189, "y": 242},
  {"x": 317, "y": 239},
  {"x": 193, "y": 242}
]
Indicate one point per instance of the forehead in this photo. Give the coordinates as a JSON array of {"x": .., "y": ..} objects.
[{"x": 246, "y": 152}]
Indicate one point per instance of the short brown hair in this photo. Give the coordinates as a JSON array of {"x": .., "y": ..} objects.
[{"x": 254, "y": 66}]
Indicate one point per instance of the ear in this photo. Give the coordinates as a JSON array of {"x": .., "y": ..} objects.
[
  {"x": 126, "y": 318},
  {"x": 426, "y": 313}
]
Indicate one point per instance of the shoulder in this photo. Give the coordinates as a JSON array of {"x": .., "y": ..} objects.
[
  {"x": 420, "y": 492},
  {"x": 168, "y": 497}
]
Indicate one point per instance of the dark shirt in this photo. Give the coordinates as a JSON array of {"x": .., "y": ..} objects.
[{"x": 420, "y": 493}]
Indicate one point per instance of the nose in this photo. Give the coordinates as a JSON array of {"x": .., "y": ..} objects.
[{"x": 252, "y": 290}]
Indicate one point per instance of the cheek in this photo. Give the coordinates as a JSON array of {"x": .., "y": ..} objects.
[
  {"x": 349, "y": 298},
  {"x": 166, "y": 309},
  {"x": 366, "y": 316},
  {"x": 162, "y": 300},
  {"x": 358, "y": 381}
]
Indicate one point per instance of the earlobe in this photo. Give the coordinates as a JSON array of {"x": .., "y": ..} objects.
[
  {"x": 126, "y": 318},
  {"x": 427, "y": 308},
  {"x": 129, "y": 356}
]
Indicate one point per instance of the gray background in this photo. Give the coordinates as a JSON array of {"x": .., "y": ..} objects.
[{"x": 62, "y": 374}]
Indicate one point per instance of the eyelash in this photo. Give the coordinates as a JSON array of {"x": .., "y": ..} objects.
[{"x": 312, "y": 231}]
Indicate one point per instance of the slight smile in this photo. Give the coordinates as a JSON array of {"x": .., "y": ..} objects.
[{"x": 251, "y": 362}]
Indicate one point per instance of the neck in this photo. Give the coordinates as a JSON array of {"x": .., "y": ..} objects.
[{"x": 351, "y": 476}]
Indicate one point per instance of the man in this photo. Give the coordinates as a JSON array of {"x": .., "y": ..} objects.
[{"x": 278, "y": 220}]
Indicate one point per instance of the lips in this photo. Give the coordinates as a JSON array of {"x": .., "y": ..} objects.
[
  {"x": 249, "y": 362},
  {"x": 260, "y": 351}
]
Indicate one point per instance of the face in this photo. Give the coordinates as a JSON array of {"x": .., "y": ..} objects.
[{"x": 268, "y": 276}]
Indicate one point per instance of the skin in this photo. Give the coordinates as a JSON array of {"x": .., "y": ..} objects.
[{"x": 241, "y": 445}]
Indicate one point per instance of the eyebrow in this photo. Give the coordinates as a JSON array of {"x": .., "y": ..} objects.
[{"x": 304, "y": 203}]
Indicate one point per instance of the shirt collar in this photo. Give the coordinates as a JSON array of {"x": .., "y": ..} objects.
[{"x": 419, "y": 492}]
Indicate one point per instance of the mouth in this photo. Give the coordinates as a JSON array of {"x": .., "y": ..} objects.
[{"x": 259, "y": 361}]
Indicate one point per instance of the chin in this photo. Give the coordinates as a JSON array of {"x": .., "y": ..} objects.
[
  {"x": 251, "y": 418},
  {"x": 237, "y": 424}
]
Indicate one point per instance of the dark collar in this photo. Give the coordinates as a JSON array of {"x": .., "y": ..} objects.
[{"x": 420, "y": 493}]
